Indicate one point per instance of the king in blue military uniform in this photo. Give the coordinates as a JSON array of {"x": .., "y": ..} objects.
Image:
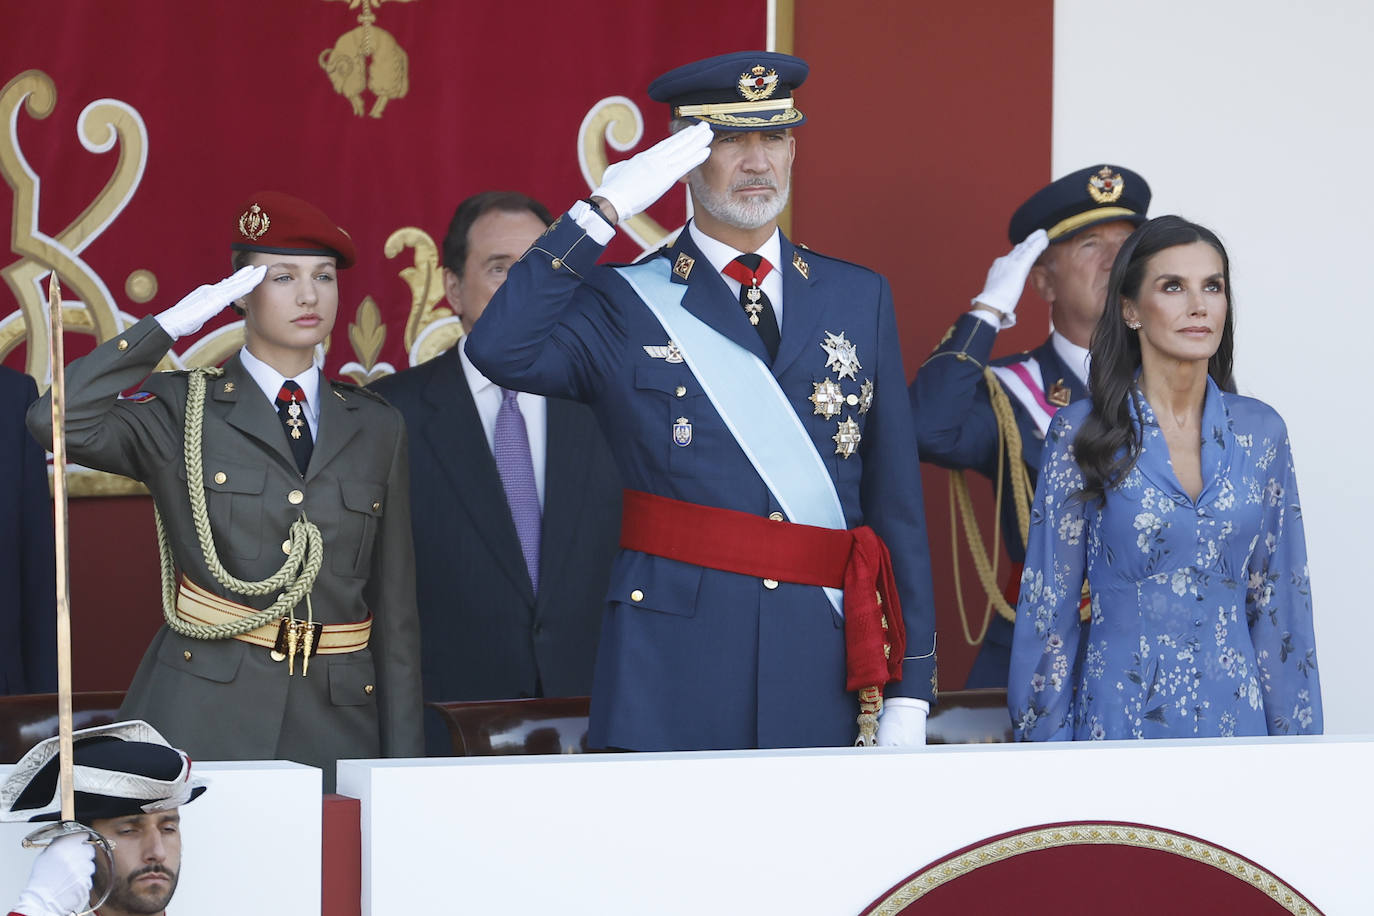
[
  {"x": 977, "y": 413},
  {"x": 774, "y": 567}
]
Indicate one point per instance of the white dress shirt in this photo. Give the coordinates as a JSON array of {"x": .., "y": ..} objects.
[
  {"x": 270, "y": 381},
  {"x": 720, "y": 254},
  {"x": 487, "y": 396},
  {"x": 1074, "y": 356}
]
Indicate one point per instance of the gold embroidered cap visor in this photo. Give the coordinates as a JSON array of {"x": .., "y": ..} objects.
[
  {"x": 746, "y": 90},
  {"x": 1097, "y": 194}
]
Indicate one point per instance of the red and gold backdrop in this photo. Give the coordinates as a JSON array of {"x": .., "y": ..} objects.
[{"x": 134, "y": 131}]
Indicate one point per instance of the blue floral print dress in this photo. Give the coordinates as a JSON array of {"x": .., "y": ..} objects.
[{"x": 1201, "y": 619}]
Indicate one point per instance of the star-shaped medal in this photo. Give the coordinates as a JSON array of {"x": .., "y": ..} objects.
[
  {"x": 827, "y": 397},
  {"x": 846, "y": 437},
  {"x": 866, "y": 396},
  {"x": 841, "y": 355}
]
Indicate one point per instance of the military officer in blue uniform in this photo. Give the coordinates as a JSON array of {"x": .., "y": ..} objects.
[
  {"x": 754, "y": 397},
  {"x": 1066, "y": 237}
]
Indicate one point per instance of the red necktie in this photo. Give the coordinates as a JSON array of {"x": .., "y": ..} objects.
[{"x": 749, "y": 270}]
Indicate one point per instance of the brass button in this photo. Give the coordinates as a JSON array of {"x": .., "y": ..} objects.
[
  {"x": 556, "y": 263},
  {"x": 286, "y": 547},
  {"x": 221, "y": 477},
  {"x": 377, "y": 507},
  {"x": 295, "y": 497},
  {"x": 776, "y": 516},
  {"x": 961, "y": 357},
  {"x": 770, "y": 583},
  {"x": 186, "y": 655},
  {"x": 368, "y": 689},
  {"x": 122, "y": 345},
  {"x": 636, "y": 595},
  {"x": 680, "y": 391},
  {"x": 851, "y": 400}
]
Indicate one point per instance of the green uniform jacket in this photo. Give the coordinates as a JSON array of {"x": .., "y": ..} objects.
[{"x": 226, "y": 699}]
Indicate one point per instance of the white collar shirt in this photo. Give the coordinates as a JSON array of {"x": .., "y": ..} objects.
[
  {"x": 721, "y": 254},
  {"x": 270, "y": 381},
  {"x": 1075, "y": 357}
]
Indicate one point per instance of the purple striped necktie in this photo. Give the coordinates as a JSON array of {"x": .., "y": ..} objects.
[{"x": 511, "y": 447}]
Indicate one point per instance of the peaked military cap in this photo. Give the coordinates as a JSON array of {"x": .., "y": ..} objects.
[
  {"x": 118, "y": 770},
  {"x": 1097, "y": 194},
  {"x": 746, "y": 90},
  {"x": 278, "y": 223}
]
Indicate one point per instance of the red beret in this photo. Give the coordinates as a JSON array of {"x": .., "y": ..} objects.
[{"x": 278, "y": 223}]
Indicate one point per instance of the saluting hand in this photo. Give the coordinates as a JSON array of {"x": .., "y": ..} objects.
[
  {"x": 1007, "y": 276},
  {"x": 631, "y": 186},
  {"x": 205, "y": 302},
  {"x": 60, "y": 882}
]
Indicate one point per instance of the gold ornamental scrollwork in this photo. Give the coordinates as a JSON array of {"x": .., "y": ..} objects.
[
  {"x": 431, "y": 328},
  {"x": 367, "y": 58},
  {"x": 616, "y": 121}
]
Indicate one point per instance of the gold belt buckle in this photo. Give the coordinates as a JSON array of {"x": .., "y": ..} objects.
[{"x": 297, "y": 637}]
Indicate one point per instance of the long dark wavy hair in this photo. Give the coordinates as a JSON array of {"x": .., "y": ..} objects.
[{"x": 1108, "y": 444}]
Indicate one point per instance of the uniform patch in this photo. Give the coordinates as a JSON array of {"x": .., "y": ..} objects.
[{"x": 141, "y": 397}]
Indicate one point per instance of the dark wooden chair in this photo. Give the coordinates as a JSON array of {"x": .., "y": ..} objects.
[
  {"x": 542, "y": 725},
  {"x": 28, "y": 718},
  {"x": 970, "y": 717}
]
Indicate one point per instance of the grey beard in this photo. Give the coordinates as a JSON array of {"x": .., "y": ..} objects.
[{"x": 741, "y": 214}]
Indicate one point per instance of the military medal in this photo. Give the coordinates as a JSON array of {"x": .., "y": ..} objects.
[
  {"x": 841, "y": 355},
  {"x": 827, "y": 398},
  {"x": 669, "y": 353},
  {"x": 866, "y": 396},
  {"x": 753, "y": 304},
  {"x": 846, "y": 437},
  {"x": 294, "y": 420},
  {"x": 682, "y": 432}
]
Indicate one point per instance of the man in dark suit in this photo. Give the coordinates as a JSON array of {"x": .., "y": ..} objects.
[
  {"x": 28, "y": 604},
  {"x": 511, "y": 594},
  {"x": 1066, "y": 236}
]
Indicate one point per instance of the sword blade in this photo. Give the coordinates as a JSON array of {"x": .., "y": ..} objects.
[{"x": 57, "y": 361}]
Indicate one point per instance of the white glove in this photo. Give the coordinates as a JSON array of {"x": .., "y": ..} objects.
[
  {"x": 60, "y": 882},
  {"x": 633, "y": 185},
  {"x": 205, "y": 302},
  {"x": 902, "y": 723},
  {"x": 1007, "y": 276}
]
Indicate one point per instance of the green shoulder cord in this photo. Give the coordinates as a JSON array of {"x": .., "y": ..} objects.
[{"x": 296, "y": 575}]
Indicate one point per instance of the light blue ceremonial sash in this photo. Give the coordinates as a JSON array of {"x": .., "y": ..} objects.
[{"x": 748, "y": 399}]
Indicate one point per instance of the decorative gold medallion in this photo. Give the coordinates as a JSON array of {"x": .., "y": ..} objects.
[
  {"x": 803, "y": 268},
  {"x": 846, "y": 437},
  {"x": 683, "y": 266},
  {"x": 669, "y": 353},
  {"x": 254, "y": 223},
  {"x": 841, "y": 355},
  {"x": 827, "y": 398},
  {"x": 866, "y": 396},
  {"x": 1058, "y": 394},
  {"x": 1106, "y": 186},
  {"x": 758, "y": 83},
  {"x": 294, "y": 419}
]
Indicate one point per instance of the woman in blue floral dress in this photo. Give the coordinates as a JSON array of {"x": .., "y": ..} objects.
[{"x": 1177, "y": 502}]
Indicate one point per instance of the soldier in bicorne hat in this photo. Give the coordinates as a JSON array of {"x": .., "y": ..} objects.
[
  {"x": 283, "y": 500},
  {"x": 1065, "y": 236},
  {"x": 128, "y": 786},
  {"x": 774, "y": 574}
]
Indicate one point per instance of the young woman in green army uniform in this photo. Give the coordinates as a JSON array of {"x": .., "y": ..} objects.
[{"x": 283, "y": 513}]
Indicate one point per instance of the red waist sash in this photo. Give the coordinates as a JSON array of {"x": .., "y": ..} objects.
[{"x": 855, "y": 560}]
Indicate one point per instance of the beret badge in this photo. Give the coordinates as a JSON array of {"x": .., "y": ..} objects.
[
  {"x": 254, "y": 223},
  {"x": 1106, "y": 186},
  {"x": 757, "y": 83}
]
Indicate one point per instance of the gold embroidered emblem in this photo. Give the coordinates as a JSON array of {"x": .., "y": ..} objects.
[
  {"x": 757, "y": 83},
  {"x": 367, "y": 57},
  {"x": 944, "y": 340},
  {"x": 228, "y": 387},
  {"x": 1105, "y": 186},
  {"x": 827, "y": 398},
  {"x": 1058, "y": 394},
  {"x": 803, "y": 268},
  {"x": 683, "y": 266},
  {"x": 553, "y": 225},
  {"x": 866, "y": 396},
  {"x": 254, "y": 223},
  {"x": 846, "y": 437}
]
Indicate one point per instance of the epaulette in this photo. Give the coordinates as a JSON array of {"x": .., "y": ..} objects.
[
  {"x": 354, "y": 388},
  {"x": 813, "y": 253}
]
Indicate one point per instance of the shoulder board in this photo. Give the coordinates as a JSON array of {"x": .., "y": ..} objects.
[
  {"x": 354, "y": 388},
  {"x": 813, "y": 254}
]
